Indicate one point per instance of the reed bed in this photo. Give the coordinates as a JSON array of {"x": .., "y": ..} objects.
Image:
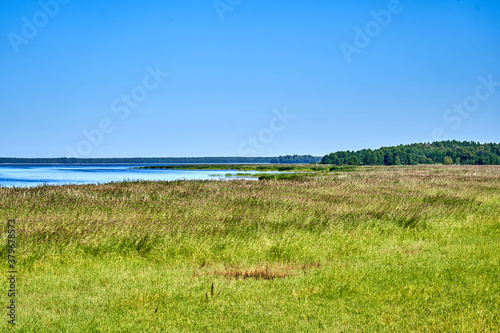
[{"x": 408, "y": 248}]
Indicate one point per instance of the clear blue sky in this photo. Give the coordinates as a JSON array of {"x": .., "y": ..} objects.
[{"x": 70, "y": 67}]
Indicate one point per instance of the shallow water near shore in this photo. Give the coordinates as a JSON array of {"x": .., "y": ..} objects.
[{"x": 36, "y": 175}]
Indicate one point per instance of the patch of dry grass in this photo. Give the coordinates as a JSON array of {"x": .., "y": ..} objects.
[{"x": 266, "y": 272}]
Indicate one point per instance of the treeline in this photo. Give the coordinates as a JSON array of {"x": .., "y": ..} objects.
[
  {"x": 445, "y": 152},
  {"x": 162, "y": 160},
  {"x": 296, "y": 159}
]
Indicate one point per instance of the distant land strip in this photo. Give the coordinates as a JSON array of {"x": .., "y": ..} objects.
[{"x": 163, "y": 160}]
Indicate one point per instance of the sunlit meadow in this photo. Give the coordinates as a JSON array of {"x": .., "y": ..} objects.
[{"x": 411, "y": 248}]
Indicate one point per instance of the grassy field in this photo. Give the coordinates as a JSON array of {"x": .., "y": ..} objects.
[
  {"x": 414, "y": 248},
  {"x": 252, "y": 167}
]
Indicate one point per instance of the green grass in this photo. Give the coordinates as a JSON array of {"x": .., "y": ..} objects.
[
  {"x": 411, "y": 248},
  {"x": 241, "y": 174},
  {"x": 253, "y": 167}
]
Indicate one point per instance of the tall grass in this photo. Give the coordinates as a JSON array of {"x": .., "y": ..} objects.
[{"x": 411, "y": 248}]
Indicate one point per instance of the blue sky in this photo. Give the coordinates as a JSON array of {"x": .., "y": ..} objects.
[{"x": 266, "y": 78}]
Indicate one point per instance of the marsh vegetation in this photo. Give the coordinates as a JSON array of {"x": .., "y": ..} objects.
[{"x": 408, "y": 248}]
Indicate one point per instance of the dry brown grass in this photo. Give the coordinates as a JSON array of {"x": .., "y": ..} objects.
[{"x": 266, "y": 272}]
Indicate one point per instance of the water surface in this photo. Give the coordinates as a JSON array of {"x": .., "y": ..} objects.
[{"x": 35, "y": 175}]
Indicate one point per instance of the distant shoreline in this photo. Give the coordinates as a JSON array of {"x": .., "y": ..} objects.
[
  {"x": 108, "y": 163},
  {"x": 159, "y": 160}
]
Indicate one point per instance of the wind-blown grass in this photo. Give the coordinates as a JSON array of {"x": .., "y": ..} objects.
[
  {"x": 250, "y": 167},
  {"x": 374, "y": 249}
]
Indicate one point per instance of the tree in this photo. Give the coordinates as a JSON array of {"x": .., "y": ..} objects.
[
  {"x": 353, "y": 160},
  {"x": 397, "y": 160},
  {"x": 447, "y": 160},
  {"x": 370, "y": 158},
  {"x": 413, "y": 159},
  {"x": 388, "y": 158}
]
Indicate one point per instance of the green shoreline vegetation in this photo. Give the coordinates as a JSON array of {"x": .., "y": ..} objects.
[
  {"x": 345, "y": 248},
  {"x": 238, "y": 167},
  {"x": 256, "y": 167}
]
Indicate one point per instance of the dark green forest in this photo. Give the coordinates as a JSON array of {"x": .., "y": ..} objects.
[{"x": 440, "y": 152}]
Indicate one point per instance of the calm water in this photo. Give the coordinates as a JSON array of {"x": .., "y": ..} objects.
[{"x": 34, "y": 175}]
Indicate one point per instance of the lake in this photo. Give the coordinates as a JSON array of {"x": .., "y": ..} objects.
[{"x": 35, "y": 175}]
